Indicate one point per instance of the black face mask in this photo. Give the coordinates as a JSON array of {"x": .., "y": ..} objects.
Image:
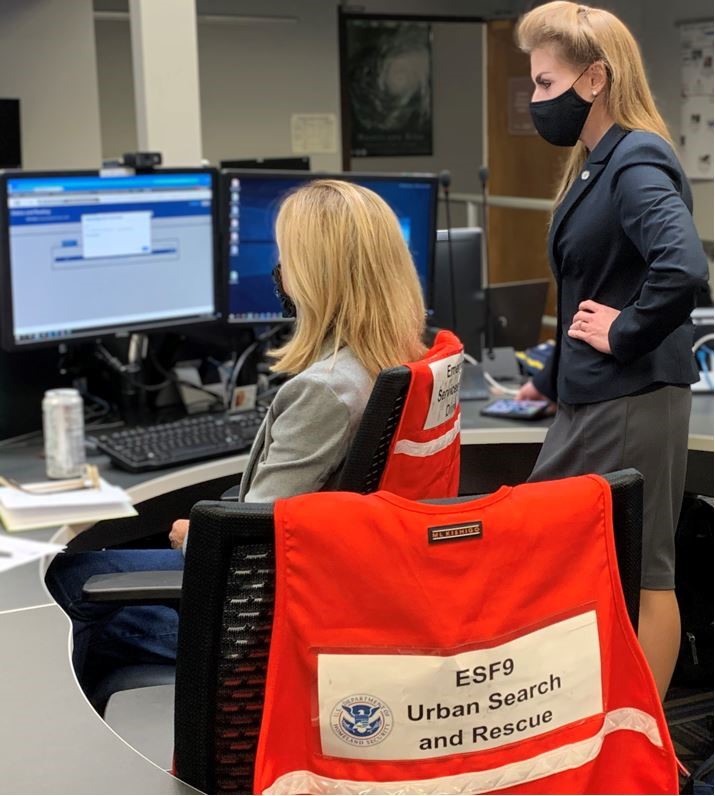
[
  {"x": 561, "y": 119},
  {"x": 287, "y": 305}
]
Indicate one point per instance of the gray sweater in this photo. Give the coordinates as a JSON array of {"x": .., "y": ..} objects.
[{"x": 308, "y": 430}]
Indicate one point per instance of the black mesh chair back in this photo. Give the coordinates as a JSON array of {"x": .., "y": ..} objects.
[
  {"x": 627, "y": 499},
  {"x": 224, "y": 636},
  {"x": 366, "y": 459},
  {"x": 229, "y": 582}
]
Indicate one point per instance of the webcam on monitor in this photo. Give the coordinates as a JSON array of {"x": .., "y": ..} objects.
[{"x": 141, "y": 160}]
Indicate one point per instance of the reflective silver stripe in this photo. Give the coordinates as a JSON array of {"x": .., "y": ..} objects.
[
  {"x": 424, "y": 449},
  {"x": 564, "y": 758}
]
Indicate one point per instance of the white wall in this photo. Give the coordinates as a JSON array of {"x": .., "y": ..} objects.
[
  {"x": 254, "y": 76},
  {"x": 457, "y": 110},
  {"x": 47, "y": 59},
  {"x": 116, "y": 88},
  {"x": 246, "y": 100}
]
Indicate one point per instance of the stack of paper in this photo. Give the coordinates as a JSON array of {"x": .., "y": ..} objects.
[{"x": 20, "y": 511}]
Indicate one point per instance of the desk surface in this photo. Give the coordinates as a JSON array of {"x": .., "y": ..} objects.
[
  {"x": 56, "y": 742},
  {"x": 24, "y": 462},
  {"x": 85, "y": 755}
]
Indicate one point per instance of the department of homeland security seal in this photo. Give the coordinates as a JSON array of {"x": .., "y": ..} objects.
[{"x": 361, "y": 720}]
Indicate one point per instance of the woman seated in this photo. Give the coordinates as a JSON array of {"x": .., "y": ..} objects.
[{"x": 346, "y": 269}]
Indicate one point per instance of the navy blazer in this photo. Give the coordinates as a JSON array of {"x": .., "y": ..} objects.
[{"x": 624, "y": 236}]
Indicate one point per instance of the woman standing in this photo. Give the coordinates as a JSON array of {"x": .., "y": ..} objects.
[{"x": 628, "y": 264}]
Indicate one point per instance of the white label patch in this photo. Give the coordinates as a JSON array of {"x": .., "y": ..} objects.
[
  {"x": 446, "y": 375},
  {"x": 408, "y": 707}
]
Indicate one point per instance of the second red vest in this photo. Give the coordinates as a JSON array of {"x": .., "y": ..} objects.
[
  {"x": 467, "y": 648},
  {"x": 423, "y": 461}
]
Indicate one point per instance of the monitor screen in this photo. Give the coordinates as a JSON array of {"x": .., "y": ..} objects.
[
  {"x": 252, "y": 200},
  {"x": 85, "y": 255},
  {"x": 457, "y": 286}
]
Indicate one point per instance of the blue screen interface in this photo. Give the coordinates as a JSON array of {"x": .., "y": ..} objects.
[
  {"x": 253, "y": 203},
  {"x": 114, "y": 252}
]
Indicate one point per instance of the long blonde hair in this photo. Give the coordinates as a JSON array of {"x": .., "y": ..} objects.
[
  {"x": 580, "y": 36},
  {"x": 351, "y": 277}
]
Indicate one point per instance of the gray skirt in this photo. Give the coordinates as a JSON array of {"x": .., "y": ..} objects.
[{"x": 648, "y": 432}]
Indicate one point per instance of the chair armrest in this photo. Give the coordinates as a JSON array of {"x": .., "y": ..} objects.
[
  {"x": 232, "y": 493},
  {"x": 149, "y": 587}
]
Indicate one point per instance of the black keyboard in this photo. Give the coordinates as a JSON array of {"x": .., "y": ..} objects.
[{"x": 190, "y": 439}]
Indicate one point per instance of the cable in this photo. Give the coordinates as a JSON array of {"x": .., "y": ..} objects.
[
  {"x": 6, "y": 443},
  {"x": 233, "y": 378},
  {"x": 124, "y": 372},
  {"x": 494, "y": 383},
  {"x": 488, "y": 321},
  {"x": 241, "y": 360},
  {"x": 445, "y": 180},
  {"x": 172, "y": 378}
]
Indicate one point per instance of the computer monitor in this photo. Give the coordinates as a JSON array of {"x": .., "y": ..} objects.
[
  {"x": 281, "y": 164},
  {"x": 85, "y": 255},
  {"x": 251, "y": 203},
  {"x": 463, "y": 294},
  {"x": 516, "y": 310}
]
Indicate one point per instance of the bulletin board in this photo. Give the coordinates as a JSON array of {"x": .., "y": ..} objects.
[{"x": 696, "y": 71}]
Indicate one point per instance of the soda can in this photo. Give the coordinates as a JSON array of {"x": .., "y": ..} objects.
[{"x": 63, "y": 430}]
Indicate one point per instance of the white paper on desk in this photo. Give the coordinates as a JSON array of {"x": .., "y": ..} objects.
[
  {"x": 22, "y": 551},
  {"x": 15, "y": 499},
  {"x": 22, "y": 511}
]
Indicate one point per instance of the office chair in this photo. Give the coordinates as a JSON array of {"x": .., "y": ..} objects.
[
  {"x": 225, "y": 629},
  {"x": 362, "y": 471},
  {"x": 402, "y": 444}
]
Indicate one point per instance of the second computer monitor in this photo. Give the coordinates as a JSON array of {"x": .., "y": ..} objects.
[
  {"x": 251, "y": 203},
  {"x": 516, "y": 310},
  {"x": 457, "y": 286}
]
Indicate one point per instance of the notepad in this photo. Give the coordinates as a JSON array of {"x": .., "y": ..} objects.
[{"x": 21, "y": 511}]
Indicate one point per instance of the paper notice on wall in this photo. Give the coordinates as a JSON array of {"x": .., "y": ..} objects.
[
  {"x": 313, "y": 133},
  {"x": 411, "y": 707},
  {"x": 696, "y": 129}
]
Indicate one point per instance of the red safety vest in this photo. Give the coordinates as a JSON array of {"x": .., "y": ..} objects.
[
  {"x": 468, "y": 648},
  {"x": 423, "y": 461}
]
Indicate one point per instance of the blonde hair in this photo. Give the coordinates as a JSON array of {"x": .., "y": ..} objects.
[
  {"x": 580, "y": 36},
  {"x": 351, "y": 277}
]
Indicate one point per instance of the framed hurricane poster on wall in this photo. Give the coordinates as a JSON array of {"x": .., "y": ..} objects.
[{"x": 387, "y": 86}]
